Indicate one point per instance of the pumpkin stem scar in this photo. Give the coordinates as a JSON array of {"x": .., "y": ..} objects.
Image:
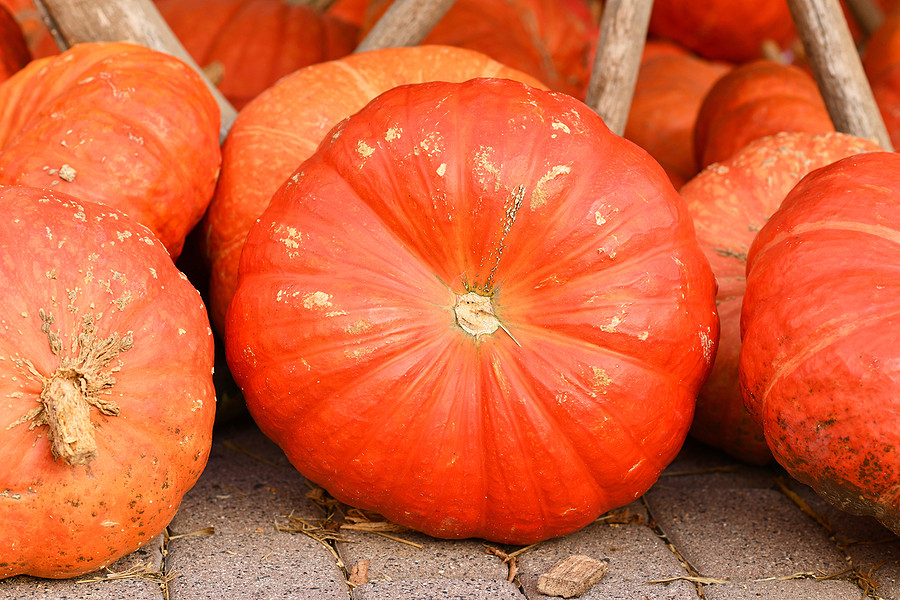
[
  {"x": 77, "y": 384},
  {"x": 511, "y": 211},
  {"x": 475, "y": 315}
]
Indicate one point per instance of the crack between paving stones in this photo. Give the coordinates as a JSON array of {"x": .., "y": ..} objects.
[
  {"x": 864, "y": 580},
  {"x": 655, "y": 528}
]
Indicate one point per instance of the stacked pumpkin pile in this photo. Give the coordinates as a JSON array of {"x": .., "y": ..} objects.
[{"x": 445, "y": 288}]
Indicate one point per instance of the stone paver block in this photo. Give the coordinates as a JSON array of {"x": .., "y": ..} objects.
[
  {"x": 254, "y": 567},
  {"x": 443, "y": 589},
  {"x": 742, "y": 534},
  {"x": 700, "y": 465},
  {"x": 454, "y": 559},
  {"x": 248, "y": 484},
  {"x": 795, "y": 589},
  {"x": 84, "y": 588},
  {"x": 636, "y": 556},
  {"x": 874, "y": 550}
]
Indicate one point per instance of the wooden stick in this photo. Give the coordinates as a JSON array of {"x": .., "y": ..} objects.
[
  {"x": 138, "y": 21},
  {"x": 838, "y": 70},
  {"x": 623, "y": 31},
  {"x": 404, "y": 23}
]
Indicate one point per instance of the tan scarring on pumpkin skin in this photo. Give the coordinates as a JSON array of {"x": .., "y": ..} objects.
[
  {"x": 76, "y": 386},
  {"x": 475, "y": 314}
]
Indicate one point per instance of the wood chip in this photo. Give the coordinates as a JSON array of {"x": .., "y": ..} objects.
[
  {"x": 572, "y": 576},
  {"x": 359, "y": 573}
]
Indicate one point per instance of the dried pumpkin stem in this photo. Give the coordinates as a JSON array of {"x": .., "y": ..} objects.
[
  {"x": 68, "y": 415},
  {"x": 79, "y": 383}
]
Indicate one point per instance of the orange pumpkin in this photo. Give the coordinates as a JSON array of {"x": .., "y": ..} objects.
[
  {"x": 281, "y": 128},
  {"x": 118, "y": 124},
  {"x": 247, "y": 45},
  {"x": 108, "y": 402},
  {"x": 670, "y": 88},
  {"x": 754, "y": 100},
  {"x": 729, "y": 202}
]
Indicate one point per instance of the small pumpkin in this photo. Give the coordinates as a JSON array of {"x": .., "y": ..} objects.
[
  {"x": 275, "y": 133},
  {"x": 670, "y": 88},
  {"x": 754, "y": 100},
  {"x": 730, "y": 201},
  {"x": 475, "y": 311},
  {"x": 551, "y": 40},
  {"x": 106, "y": 378},
  {"x": 729, "y": 30},
  {"x": 248, "y": 45},
  {"x": 118, "y": 124},
  {"x": 821, "y": 347}
]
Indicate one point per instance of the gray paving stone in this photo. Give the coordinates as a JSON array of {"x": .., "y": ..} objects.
[
  {"x": 795, "y": 589},
  {"x": 254, "y": 567},
  {"x": 636, "y": 556},
  {"x": 247, "y": 489},
  {"x": 454, "y": 559},
  {"x": 447, "y": 589},
  {"x": 742, "y": 534},
  {"x": 84, "y": 588},
  {"x": 698, "y": 465},
  {"x": 873, "y": 549},
  {"x": 247, "y": 485}
]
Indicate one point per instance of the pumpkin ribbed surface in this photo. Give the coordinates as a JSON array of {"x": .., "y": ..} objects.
[
  {"x": 820, "y": 358},
  {"x": 475, "y": 311},
  {"x": 105, "y": 373}
]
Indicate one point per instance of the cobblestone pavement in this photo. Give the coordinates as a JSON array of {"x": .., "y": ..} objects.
[{"x": 711, "y": 528}]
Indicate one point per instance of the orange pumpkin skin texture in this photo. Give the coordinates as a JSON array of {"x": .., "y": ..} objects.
[
  {"x": 819, "y": 360},
  {"x": 255, "y": 42},
  {"x": 551, "y": 40},
  {"x": 14, "y": 53},
  {"x": 283, "y": 127},
  {"x": 668, "y": 93},
  {"x": 37, "y": 36},
  {"x": 754, "y": 100},
  {"x": 92, "y": 301},
  {"x": 729, "y": 202},
  {"x": 732, "y": 30},
  {"x": 136, "y": 130},
  {"x": 475, "y": 311}
]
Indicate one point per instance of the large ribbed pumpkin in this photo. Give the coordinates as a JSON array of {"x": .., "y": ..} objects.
[
  {"x": 730, "y": 201},
  {"x": 280, "y": 129},
  {"x": 820, "y": 359},
  {"x": 118, "y": 124},
  {"x": 475, "y": 311},
  {"x": 108, "y": 400}
]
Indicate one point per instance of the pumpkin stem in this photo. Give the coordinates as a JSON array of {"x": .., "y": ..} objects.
[
  {"x": 78, "y": 384},
  {"x": 475, "y": 314}
]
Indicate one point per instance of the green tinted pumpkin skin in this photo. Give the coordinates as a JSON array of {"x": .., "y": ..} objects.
[
  {"x": 345, "y": 338},
  {"x": 730, "y": 201},
  {"x": 136, "y": 129},
  {"x": 78, "y": 277},
  {"x": 819, "y": 359}
]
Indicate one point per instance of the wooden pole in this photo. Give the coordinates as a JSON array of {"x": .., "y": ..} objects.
[
  {"x": 623, "y": 31},
  {"x": 838, "y": 70},
  {"x": 404, "y": 23},
  {"x": 138, "y": 21}
]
